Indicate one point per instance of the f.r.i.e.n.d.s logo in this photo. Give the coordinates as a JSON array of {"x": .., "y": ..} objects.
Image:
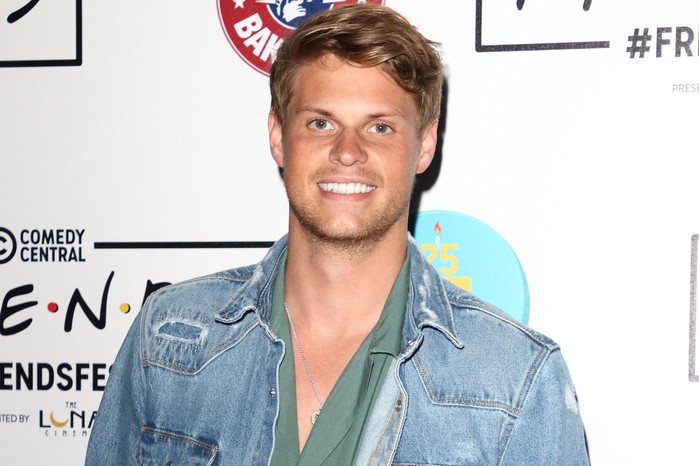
[
  {"x": 470, "y": 254},
  {"x": 256, "y": 28},
  {"x": 40, "y": 33}
]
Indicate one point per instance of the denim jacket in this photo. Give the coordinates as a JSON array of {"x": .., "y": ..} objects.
[{"x": 196, "y": 382}]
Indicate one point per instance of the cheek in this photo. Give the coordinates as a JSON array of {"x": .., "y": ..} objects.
[
  {"x": 297, "y": 172},
  {"x": 408, "y": 161}
]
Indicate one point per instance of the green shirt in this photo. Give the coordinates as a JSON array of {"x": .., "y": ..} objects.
[{"x": 335, "y": 436}]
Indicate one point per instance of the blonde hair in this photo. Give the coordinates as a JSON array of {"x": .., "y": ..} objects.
[{"x": 365, "y": 35}]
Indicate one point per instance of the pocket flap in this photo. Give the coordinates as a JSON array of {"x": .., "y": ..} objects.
[{"x": 163, "y": 448}]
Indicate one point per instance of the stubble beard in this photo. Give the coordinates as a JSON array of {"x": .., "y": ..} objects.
[{"x": 346, "y": 237}]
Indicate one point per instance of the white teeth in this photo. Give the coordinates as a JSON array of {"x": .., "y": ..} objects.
[{"x": 346, "y": 188}]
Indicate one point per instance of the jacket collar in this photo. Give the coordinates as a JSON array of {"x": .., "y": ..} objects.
[
  {"x": 256, "y": 294},
  {"x": 428, "y": 303}
]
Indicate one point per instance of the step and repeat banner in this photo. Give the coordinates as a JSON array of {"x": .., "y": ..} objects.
[{"x": 133, "y": 154}]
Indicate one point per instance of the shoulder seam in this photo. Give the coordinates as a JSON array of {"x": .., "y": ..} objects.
[{"x": 481, "y": 306}]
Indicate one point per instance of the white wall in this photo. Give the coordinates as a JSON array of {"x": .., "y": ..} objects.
[{"x": 584, "y": 160}]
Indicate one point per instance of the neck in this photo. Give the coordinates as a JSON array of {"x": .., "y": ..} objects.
[{"x": 342, "y": 288}]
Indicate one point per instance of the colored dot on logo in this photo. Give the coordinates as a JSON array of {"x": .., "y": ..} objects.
[
  {"x": 125, "y": 308},
  {"x": 52, "y": 307}
]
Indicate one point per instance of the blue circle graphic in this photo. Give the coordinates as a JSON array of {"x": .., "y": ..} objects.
[{"x": 475, "y": 257}]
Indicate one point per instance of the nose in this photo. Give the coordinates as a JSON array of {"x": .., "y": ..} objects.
[{"x": 348, "y": 148}]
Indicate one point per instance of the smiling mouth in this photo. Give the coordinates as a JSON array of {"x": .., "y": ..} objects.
[{"x": 346, "y": 188}]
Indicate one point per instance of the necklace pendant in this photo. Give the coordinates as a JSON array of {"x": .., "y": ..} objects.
[{"x": 314, "y": 416}]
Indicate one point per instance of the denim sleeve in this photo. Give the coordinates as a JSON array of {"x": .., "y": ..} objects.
[
  {"x": 117, "y": 425},
  {"x": 549, "y": 430}
]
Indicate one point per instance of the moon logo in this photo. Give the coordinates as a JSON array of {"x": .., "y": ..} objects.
[{"x": 56, "y": 423}]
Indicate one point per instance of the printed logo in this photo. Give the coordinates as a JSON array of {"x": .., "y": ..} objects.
[
  {"x": 67, "y": 422},
  {"x": 43, "y": 376},
  {"x": 19, "y": 308},
  {"x": 256, "y": 28},
  {"x": 40, "y": 33},
  {"x": 43, "y": 245},
  {"x": 677, "y": 42},
  {"x": 473, "y": 256},
  {"x": 8, "y": 245},
  {"x": 509, "y": 26},
  {"x": 20, "y": 304}
]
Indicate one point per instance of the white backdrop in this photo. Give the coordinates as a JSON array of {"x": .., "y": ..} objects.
[{"x": 583, "y": 159}]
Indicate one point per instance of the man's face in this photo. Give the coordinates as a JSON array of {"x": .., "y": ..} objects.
[{"x": 350, "y": 150}]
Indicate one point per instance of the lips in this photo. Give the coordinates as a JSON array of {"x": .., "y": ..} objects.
[{"x": 346, "y": 188}]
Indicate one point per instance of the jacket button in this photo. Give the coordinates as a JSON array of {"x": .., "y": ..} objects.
[
  {"x": 410, "y": 343},
  {"x": 273, "y": 392},
  {"x": 399, "y": 405}
]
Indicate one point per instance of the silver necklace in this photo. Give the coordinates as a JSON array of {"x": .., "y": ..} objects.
[{"x": 315, "y": 414}]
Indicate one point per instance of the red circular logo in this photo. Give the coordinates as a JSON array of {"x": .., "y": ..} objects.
[{"x": 256, "y": 28}]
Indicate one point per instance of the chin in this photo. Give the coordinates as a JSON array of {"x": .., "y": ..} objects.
[
  {"x": 351, "y": 232},
  {"x": 348, "y": 237}
]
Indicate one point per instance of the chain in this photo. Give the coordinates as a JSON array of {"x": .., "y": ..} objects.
[{"x": 315, "y": 415}]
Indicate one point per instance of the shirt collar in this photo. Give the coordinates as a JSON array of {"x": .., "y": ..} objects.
[{"x": 386, "y": 335}]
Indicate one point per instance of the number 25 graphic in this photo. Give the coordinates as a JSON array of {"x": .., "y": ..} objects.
[{"x": 444, "y": 256}]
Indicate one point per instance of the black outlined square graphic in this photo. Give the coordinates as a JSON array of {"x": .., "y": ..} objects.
[
  {"x": 37, "y": 33},
  {"x": 693, "y": 376},
  {"x": 482, "y": 21}
]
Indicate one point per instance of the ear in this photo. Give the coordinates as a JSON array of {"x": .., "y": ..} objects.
[
  {"x": 275, "y": 138},
  {"x": 428, "y": 147}
]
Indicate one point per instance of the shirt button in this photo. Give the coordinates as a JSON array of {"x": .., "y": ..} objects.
[{"x": 273, "y": 392}]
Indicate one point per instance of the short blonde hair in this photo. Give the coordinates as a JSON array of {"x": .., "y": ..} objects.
[{"x": 365, "y": 35}]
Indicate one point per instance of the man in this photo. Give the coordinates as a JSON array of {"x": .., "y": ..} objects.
[{"x": 343, "y": 346}]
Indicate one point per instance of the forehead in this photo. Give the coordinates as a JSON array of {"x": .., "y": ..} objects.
[{"x": 333, "y": 81}]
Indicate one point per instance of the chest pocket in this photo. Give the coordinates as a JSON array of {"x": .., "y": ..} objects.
[{"x": 157, "y": 447}]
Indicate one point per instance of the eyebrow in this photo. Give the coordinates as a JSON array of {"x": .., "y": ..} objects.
[
  {"x": 328, "y": 114},
  {"x": 320, "y": 111}
]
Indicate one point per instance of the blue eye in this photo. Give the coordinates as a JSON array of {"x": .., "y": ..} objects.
[
  {"x": 380, "y": 128},
  {"x": 321, "y": 124}
]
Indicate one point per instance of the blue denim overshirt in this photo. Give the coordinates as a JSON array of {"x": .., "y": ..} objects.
[{"x": 196, "y": 381}]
